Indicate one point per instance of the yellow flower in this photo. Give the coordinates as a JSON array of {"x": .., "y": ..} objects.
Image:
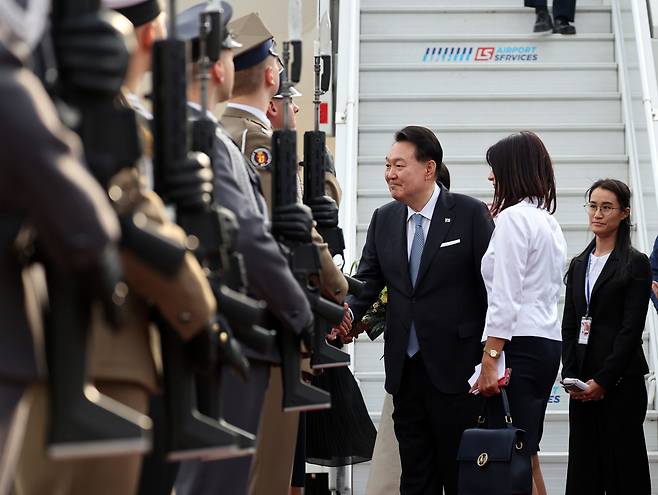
[{"x": 383, "y": 297}]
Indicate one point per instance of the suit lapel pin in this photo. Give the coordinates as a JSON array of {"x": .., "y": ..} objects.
[{"x": 447, "y": 220}]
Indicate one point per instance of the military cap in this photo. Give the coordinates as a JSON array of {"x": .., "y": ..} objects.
[
  {"x": 187, "y": 23},
  {"x": 257, "y": 41},
  {"x": 138, "y": 12}
]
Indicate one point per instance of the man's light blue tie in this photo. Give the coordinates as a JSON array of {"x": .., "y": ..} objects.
[{"x": 414, "y": 265}]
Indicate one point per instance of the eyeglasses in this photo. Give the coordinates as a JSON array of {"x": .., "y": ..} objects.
[{"x": 592, "y": 208}]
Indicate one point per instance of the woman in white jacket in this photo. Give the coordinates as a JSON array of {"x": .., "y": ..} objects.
[{"x": 522, "y": 270}]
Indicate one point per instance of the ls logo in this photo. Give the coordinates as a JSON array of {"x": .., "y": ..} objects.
[{"x": 484, "y": 53}]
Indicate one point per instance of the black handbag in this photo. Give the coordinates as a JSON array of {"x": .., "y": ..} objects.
[{"x": 492, "y": 461}]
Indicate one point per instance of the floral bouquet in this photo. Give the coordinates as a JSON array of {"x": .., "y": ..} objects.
[{"x": 374, "y": 321}]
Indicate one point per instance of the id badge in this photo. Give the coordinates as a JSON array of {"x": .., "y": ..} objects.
[{"x": 585, "y": 327}]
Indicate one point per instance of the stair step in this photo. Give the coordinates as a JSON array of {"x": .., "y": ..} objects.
[
  {"x": 489, "y": 49},
  {"x": 491, "y": 108},
  {"x": 588, "y": 139},
  {"x": 460, "y": 20},
  {"x": 578, "y": 171},
  {"x": 381, "y": 78},
  {"x": 569, "y": 209},
  {"x": 555, "y": 438}
]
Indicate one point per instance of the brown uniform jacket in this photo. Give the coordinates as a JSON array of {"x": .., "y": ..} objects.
[
  {"x": 254, "y": 139},
  {"x": 185, "y": 300}
]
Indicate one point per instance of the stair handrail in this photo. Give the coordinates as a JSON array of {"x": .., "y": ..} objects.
[
  {"x": 347, "y": 120},
  {"x": 649, "y": 100}
]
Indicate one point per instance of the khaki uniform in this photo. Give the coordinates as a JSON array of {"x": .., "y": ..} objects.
[
  {"x": 272, "y": 466},
  {"x": 254, "y": 138},
  {"x": 124, "y": 363}
]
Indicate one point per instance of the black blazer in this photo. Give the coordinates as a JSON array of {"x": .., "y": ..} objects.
[
  {"x": 618, "y": 308},
  {"x": 449, "y": 301}
]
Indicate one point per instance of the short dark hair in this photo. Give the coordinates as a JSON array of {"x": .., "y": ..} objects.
[
  {"x": 523, "y": 169},
  {"x": 427, "y": 144},
  {"x": 249, "y": 80}
]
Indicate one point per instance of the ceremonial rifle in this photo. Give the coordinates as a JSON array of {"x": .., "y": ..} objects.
[
  {"x": 303, "y": 256},
  {"x": 83, "y": 422},
  {"x": 191, "y": 433},
  {"x": 315, "y": 149}
]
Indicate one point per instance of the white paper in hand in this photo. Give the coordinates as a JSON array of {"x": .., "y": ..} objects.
[{"x": 478, "y": 368}]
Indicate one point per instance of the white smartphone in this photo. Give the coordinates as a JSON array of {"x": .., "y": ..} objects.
[{"x": 574, "y": 384}]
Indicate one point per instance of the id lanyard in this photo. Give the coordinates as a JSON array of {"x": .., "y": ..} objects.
[
  {"x": 588, "y": 290},
  {"x": 586, "y": 321}
]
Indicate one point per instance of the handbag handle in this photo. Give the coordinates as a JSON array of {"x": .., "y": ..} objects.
[{"x": 508, "y": 416}]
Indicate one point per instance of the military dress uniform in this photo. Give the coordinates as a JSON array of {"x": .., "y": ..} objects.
[
  {"x": 42, "y": 183},
  {"x": 124, "y": 364},
  {"x": 238, "y": 188},
  {"x": 253, "y": 135},
  {"x": 251, "y": 131}
]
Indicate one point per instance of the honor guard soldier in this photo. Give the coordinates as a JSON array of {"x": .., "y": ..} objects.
[
  {"x": 257, "y": 68},
  {"x": 122, "y": 363},
  {"x": 43, "y": 183},
  {"x": 237, "y": 187},
  {"x": 257, "y": 80}
]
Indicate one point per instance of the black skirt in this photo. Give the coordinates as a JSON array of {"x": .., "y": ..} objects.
[
  {"x": 344, "y": 434},
  {"x": 534, "y": 362}
]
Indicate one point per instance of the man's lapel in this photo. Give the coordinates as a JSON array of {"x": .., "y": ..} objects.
[
  {"x": 442, "y": 219},
  {"x": 400, "y": 246}
]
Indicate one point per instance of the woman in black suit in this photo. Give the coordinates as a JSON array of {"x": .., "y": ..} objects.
[{"x": 606, "y": 303}]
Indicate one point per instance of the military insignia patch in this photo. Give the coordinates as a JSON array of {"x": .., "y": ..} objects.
[{"x": 261, "y": 157}]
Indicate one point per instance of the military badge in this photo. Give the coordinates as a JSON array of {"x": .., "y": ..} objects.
[{"x": 261, "y": 157}]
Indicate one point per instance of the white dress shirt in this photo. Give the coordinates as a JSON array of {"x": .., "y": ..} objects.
[
  {"x": 426, "y": 212},
  {"x": 522, "y": 271}
]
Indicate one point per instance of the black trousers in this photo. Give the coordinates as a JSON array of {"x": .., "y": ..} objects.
[
  {"x": 607, "y": 450},
  {"x": 428, "y": 425},
  {"x": 561, "y": 8}
]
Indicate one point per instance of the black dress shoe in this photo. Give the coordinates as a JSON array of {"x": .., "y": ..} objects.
[
  {"x": 562, "y": 26},
  {"x": 543, "y": 22}
]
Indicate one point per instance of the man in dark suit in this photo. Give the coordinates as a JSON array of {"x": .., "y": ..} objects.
[{"x": 426, "y": 247}]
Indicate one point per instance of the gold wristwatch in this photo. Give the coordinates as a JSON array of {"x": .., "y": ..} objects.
[{"x": 492, "y": 352}]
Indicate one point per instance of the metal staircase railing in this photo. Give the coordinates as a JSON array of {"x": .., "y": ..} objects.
[{"x": 647, "y": 73}]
